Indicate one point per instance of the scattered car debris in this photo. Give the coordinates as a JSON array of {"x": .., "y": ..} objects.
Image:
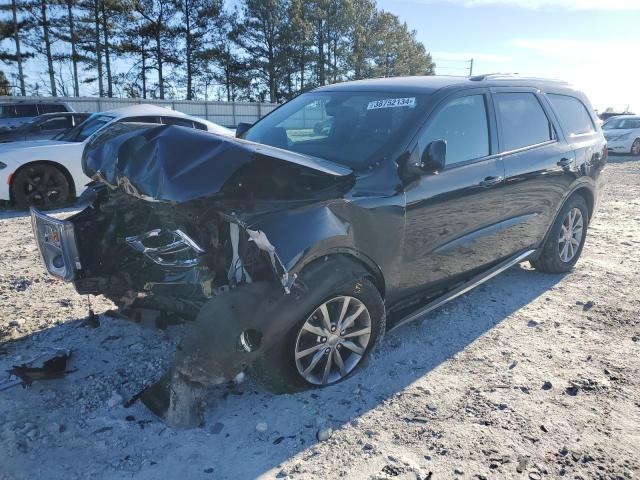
[{"x": 48, "y": 365}]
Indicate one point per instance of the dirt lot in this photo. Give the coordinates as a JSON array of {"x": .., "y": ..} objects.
[{"x": 529, "y": 376}]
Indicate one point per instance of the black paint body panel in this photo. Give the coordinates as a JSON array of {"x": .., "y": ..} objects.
[{"x": 416, "y": 234}]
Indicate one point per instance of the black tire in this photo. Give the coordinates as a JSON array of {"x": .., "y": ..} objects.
[
  {"x": 550, "y": 260},
  {"x": 41, "y": 185},
  {"x": 276, "y": 367},
  {"x": 635, "y": 147}
]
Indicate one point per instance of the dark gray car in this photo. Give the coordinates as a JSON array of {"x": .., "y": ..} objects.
[
  {"x": 43, "y": 127},
  {"x": 15, "y": 113}
]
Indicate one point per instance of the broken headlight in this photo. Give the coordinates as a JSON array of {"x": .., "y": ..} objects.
[{"x": 57, "y": 245}]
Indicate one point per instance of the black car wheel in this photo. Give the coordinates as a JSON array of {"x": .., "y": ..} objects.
[
  {"x": 635, "y": 147},
  {"x": 41, "y": 185},
  {"x": 332, "y": 341},
  {"x": 564, "y": 244}
]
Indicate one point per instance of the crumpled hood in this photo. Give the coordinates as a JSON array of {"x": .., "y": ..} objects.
[{"x": 176, "y": 164}]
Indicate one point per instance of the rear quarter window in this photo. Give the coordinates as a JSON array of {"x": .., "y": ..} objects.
[
  {"x": 572, "y": 113},
  {"x": 178, "y": 121},
  {"x": 52, "y": 107}
]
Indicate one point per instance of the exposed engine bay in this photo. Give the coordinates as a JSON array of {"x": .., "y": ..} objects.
[{"x": 167, "y": 257}]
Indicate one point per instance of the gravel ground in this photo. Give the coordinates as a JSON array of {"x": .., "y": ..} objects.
[{"x": 529, "y": 376}]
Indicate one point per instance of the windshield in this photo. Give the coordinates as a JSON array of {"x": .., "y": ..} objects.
[
  {"x": 621, "y": 123},
  {"x": 354, "y": 129},
  {"x": 83, "y": 131}
]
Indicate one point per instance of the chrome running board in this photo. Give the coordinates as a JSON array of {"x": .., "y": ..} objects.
[{"x": 464, "y": 288}]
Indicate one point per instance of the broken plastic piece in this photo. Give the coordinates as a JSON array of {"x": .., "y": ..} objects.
[
  {"x": 52, "y": 364},
  {"x": 237, "y": 273},
  {"x": 263, "y": 243}
]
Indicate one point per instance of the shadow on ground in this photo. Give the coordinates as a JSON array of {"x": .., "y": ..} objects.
[{"x": 120, "y": 355}]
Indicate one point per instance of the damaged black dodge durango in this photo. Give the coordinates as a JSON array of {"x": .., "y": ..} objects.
[{"x": 347, "y": 211}]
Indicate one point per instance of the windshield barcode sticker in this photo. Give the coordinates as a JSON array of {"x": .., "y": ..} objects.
[{"x": 392, "y": 103}]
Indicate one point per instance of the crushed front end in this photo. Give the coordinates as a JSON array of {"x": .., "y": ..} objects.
[{"x": 157, "y": 237}]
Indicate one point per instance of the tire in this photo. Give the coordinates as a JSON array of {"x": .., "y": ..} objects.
[
  {"x": 41, "y": 185},
  {"x": 554, "y": 258},
  {"x": 635, "y": 147},
  {"x": 278, "y": 368}
]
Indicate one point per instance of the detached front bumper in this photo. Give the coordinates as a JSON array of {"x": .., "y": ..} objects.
[{"x": 56, "y": 242}]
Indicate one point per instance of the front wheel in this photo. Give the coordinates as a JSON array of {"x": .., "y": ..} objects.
[
  {"x": 332, "y": 341},
  {"x": 564, "y": 244},
  {"x": 41, "y": 185},
  {"x": 635, "y": 147}
]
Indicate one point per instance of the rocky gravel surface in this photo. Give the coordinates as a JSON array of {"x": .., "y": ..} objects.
[{"x": 529, "y": 376}]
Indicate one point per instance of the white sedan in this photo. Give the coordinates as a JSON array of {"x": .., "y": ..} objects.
[
  {"x": 48, "y": 173},
  {"x": 623, "y": 134}
]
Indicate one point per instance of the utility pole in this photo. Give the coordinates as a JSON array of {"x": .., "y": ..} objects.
[
  {"x": 471, "y": 67},
  {"x": 16, "y": 36}
]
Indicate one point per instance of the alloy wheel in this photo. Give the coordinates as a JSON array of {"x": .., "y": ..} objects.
[
  {"x": 333, "y": 340},
  {"x": 570, "y": 235},
  {"x": 44, "y": 187},
  {"x": 635, "y": 148}
]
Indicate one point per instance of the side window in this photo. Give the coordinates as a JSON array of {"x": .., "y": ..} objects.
[
  {"x": 573, "y": 115},
  {"x": 7, "y": 111},
  {"x": 52, "y": 107},
  {"x": 181, "y": 122},
  {"x": 57, "y": 123},
  {"x": 524, "y": 122},
  {"x": 26, "y": 110},
  {"x": 200, "y": 126},
  {"x": 462, "y": 123},
  {"x": 141, "y": 119}
]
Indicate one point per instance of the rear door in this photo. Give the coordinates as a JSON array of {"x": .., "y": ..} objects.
[
  {"x": 579, "y": 128},
  {"x": 539, "y": 165},
  {"x": 453, "y": 218}
]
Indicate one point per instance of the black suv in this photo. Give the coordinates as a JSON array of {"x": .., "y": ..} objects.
[{"x": 349, "y": 210}]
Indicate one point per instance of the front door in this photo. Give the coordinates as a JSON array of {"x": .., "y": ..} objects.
[{"x": 453, "y": 218}]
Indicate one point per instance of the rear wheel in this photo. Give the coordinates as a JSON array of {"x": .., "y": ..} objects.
[
  {"x": 331, "y": 342},
  {"x": 41, "y": 185},
  {"x": 635, "y": 147},
  {"x": 564, "y": 244}
]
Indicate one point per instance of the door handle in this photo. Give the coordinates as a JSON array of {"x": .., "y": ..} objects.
[
  {"x": 490, "y": 181},
  {"x": 564, "y": 162}
]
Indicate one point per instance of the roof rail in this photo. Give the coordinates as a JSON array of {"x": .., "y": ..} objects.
[
  {"x": 484, "y": 76},
  {"x": 495, "y": 76}
]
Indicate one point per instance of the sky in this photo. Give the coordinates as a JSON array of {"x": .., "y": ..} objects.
[{"x": 594, "y": 44}]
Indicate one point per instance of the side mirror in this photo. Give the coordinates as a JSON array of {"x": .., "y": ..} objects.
[
  {"x": 242, "y": 128},
  {"x": 433, "y": 157}
]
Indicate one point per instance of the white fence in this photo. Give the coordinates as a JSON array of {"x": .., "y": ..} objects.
[{"x": 228, "y": 114}]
